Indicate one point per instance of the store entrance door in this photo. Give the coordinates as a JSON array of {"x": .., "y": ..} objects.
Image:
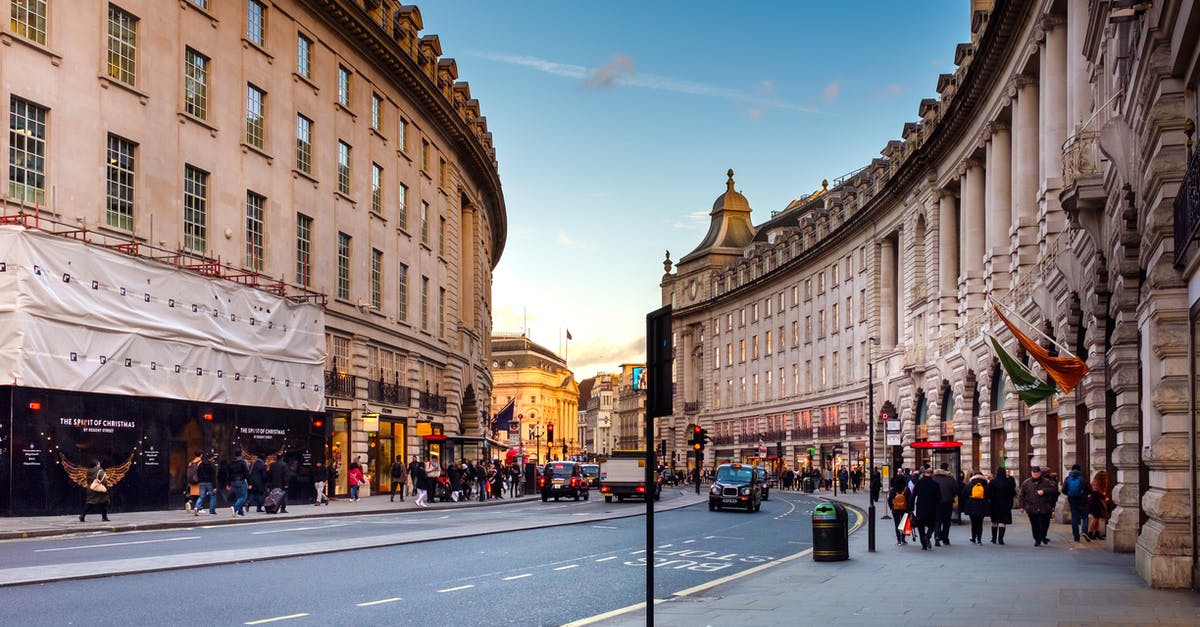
[{"x": 386, "y": 444}]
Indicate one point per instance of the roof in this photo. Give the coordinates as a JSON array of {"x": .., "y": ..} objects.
[{"x": 730, "y": 229}]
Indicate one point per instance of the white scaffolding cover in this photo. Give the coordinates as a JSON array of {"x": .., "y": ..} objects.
[{"x": 84, "y": 318}]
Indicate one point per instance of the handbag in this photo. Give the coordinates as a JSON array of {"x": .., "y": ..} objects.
[
  {"x": 905, "y": 525},
  {"x": 98, "y": 486}
]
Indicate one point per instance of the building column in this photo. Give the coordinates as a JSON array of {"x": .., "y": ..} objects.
[
  {"x": 999, "y": 205},
  {"x": 948, "y": 261},
  {"x": 887, "y": 292},
  {"x": 1053, "y": 90},
  {"x": 1025, "y": 180},
  {"x": 1079, "y": 93},
  {"x": 973, "y": 234}
]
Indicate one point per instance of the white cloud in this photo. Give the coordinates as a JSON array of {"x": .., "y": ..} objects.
[
  {"x": 694, "y": 221},
  {"x": 607, "y": 76},
  {"x": 830, "y": 93}
]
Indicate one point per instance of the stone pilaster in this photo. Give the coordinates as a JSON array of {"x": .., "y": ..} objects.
[
  {"x": 948, "y": 259},
  {"x": 1123, "y": 380}
]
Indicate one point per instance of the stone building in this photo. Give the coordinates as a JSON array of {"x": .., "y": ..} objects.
[
  {"x": 307, "y": 147},
  {"x": 546, "y": 393},
  {"x": 630, "y": 411},
  {"x": 597, "y": 401},
  {"x": 1046, "y": 178}
]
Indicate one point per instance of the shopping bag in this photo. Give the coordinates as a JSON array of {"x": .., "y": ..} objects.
[
  {"x": 903, "y": 525},
  {"x": 908, "y": 526}
]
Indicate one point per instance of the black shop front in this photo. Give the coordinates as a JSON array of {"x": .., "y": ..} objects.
[{"x": 49, "y": 437}]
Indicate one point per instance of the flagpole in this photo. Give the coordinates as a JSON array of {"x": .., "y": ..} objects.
[{"x": 1036, "y": 330}]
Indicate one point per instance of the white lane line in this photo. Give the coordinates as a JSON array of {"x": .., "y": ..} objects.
[
  {"x": 518, "y": 577},
  {"x": 96, "y": 546},
  {"x": 457, "y": 588},
  {"x": 688, "y": 541},
  {"x": 638, "y": 551},
  {"x": 379, "y": 602},
  {"x": 260, "y": 533},
  {"x": 271, "y": 620},
  {"x": 605, "y": 559},
  {"x": 666, "y": 546},
  {"x": 568, "y": 567},
  {"x": 603, "y": 527}
]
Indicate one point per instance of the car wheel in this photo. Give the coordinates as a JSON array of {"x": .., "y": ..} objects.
[
  {"x": 577, "y": 496},
  {"x": 712, "y": 506},
  {"x": 556, "y": 499},
  {"x": 608, "y": 499},
  {"x": 545, "y": 498},
  {"x": 620, "y": 499},
  {"x": 586, "y": 496}
]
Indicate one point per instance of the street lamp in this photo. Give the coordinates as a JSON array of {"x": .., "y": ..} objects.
[{"x": 871, "y": 341}]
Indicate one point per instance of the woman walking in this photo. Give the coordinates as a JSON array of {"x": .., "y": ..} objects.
[
  {"x": 96, "y": 498},
  {"x": 976, "y": 505},
  {"x": 355, "y": 478},
  {"x": 1002, "y": 491}
]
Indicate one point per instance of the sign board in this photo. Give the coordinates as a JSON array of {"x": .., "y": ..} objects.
[
  {"x": 893, "y": 439},
  {"x": 893, "y": 426}
]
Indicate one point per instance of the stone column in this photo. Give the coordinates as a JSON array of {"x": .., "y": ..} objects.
[
  {"x": 1025, "y": 181},
  {"x": 999, "y": 203},
  {"x": 973, "y": 232},
  {"x": 1053, "y": 90},
  {"x": 1123, "y": 381},
  {"x": 686, "y": 378},
  {"x": 947, "y": 256},
  {"x": 1079, "y": 93},
  {"x": 887, "y": 292}
]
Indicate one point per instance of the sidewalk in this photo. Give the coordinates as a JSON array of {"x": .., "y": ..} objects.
[{"x": 963, "y": 584}]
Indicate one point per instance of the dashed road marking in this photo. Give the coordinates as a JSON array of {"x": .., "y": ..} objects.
[
  {"x": 271, "y": 620},
  {"x": 666, "y": 546},
  {"x": 379, "y": 602},
  {"x": 518, "y": 576},
  {"x": 567, "y": 567},
  {"x": 688, "y": 541},
  {"x": 457, "y": 588},
  {"x": 107, "y": 544},
  {"x": 604, "y": 527},
  {"x": 605, "y": 559},
  {"x": 260, "y": 533}
]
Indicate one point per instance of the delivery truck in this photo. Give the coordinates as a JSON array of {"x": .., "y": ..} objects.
[{"x": 623, "y": 475}]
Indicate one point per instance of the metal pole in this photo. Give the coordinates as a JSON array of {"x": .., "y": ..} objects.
[
  {"x": 651, "y": 484},
  {"x": 871, "y": 457}
]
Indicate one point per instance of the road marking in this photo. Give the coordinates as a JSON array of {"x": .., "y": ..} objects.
[
  {"x": 666, "y": 546},
  {"x": 603, "y": 527},
  {"x": 723, "y": 538},
  {"x": 605, "y": 559},
  {"x": 260, "y": 533},
  {"x": 518, "y": 577},
  {"x": 96, "y": 546},
  {"x": 638, "y": 551},
  {"x": 271, "y": 620},
  {"x": 457, "y": 588},
  {"x": 379, "y": 602},
  {"x": 688, "y": 541},
  {"x": 568, "y": 567}
]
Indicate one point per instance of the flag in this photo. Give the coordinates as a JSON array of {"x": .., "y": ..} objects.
[
  {"x": 1067, "y": 371},
  {"x": 503, "y": 418},
  {"x": 1031, "y": 389},
  {"x": 569, "y": 335}
]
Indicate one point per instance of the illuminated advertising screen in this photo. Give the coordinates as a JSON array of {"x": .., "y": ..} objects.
[{"x": 639, "y": 379}]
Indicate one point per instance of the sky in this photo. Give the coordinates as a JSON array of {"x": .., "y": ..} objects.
[{"x": 615, "y": 122}]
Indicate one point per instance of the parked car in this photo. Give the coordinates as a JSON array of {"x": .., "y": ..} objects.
[
  {"x": 591, "y": 472},
  {"x": 559, "y": 479},
  {"x": 736, "y": 485}
]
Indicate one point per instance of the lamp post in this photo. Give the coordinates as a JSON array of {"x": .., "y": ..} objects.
[{"x": 871, "y": 439}]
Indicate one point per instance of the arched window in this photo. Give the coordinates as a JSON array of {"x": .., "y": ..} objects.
[
  {"x": 922, "y": 409},
  {"x": 997, "y": 400},
  {"x": 947, "y": 404}
]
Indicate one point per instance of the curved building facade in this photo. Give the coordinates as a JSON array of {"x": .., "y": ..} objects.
[
  {"x": 545, "y": 397},
  {"x": 1049, "y": 180},
  {"x": 322, "y": 150}
]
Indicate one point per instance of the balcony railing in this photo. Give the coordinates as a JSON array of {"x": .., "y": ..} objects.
[
  {"x": 1187, "y": 210},
  {"x": 382, "y": 392},
  {"x": 829, "y": 431},
  {"x": 433, "y": 403},
  {"x": 340, "y": 384},
  {"x": 802, "y": 433},
  {"x": 856, "y": 428},
  {"x": 770, "y": 437},
  {"x": 1081, "y": 157},
  {"x": 722, "y": 440},
  {"x": 691, "y": 407}
]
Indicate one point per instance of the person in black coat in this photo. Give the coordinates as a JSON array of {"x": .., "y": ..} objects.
[
  {"x": 975, "y": 504},
  {"x": 1002, "y": 491},
  {"x": 278, "y": 476},
  {"x": 927, "y": 496},
  {"x": 899, "y": 485},
  {"x": 876, "y": 484},
  {"x": 258, "y": 482}
]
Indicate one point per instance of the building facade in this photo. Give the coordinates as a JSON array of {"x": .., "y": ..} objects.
[
  {"x": 1053, "y": 177},
  {"x": 629, "y": 414},
  {"x": 597, "y": 402},
  {"x": 311, "y": 147},
  {"x": 546, "y": 394}
]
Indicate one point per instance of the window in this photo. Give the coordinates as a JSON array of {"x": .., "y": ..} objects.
[
  {"x": 376, "y": 111},
  {"x": 729, "y": 322},
  {"x": 862, "y": 305},
  {"x": 821, "y": 282},
  {"x": 195, "y": 209},
  {"x": 122, "y": 45},
  {"x": 304, "y": 144},
  {"x": 343, "y": 167},
  {"x": 768, "y": 308},
  {"x": 742, "y": 351},
  {"x": 795, "y": 379},
  {"x": 795, "y": 295},
  {"x": 729, "y": 354},
  {"x": 767, "y": 343},
  {"x": 849, "y": 312},
  {"x": 754, "y": 312},
  {"x": 742, "y": 317},
  {"x": 823, "y": 381},
  {"x": 402, "y": 294},
  {"x": 754, "y": 388},
  {"x": 256, "y": 22},
  {"x": 203, "y": 4},
  {"x": 343, "y": 266},
  {"x": 807, "y": 289},
  {"x": 255, "y": 104},
  {"x": 402, "y": 135},
  {"x": 821, "y": 323},
  {"x": 377, "y": 188},
  {"x": 195, "y": 84},
  {"x": 26, "y": 151},
  {"x": 403, "y": 210},
  {"x": 376, "y": 278},
  {"x": 836, "y": 369},
  {"x": 808, "y": 328},
  {"x": 780, "y": 336},
  {"x": 833, "y": 275},
  {"x": 255, "y": 217},
  {"x": 343, "y": 87},
  {"x": 795, "y": 333},
  {"x": 303, "y": 249},
  {"x": 119, "y": 189},
  {"x": 303, "y": 56},
  {"x": 424, "y": 302},
  {"x": 424, "y": 156},
  {"x": 782, "y": 384},
  {"x": 441, "y": 311},
  {"x": 754, "y": 346},
  {"x": 29, "y": 19},
  {"x": 443, "y": 172},
  {"x": 424, "y": 222},
  {"x": 836, "y": 319},
  {"x": 442, "y": 235}
]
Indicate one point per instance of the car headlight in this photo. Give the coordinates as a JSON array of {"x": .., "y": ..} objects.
[
  {"x": 745, "y": 491},
  {"x": 715, "y": 489}
]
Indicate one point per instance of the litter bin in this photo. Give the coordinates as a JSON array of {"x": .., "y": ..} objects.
[
  {"x": 807, "y": 485},
  {"x": 831, "y": 533}
]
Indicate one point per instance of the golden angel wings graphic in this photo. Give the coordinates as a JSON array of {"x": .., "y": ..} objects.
[{"x": 78, "y": 473}]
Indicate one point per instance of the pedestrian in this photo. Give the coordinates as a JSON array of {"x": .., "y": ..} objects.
[
  {"x": 355, "y": 478},
  {"x": 1098, "y": 509},
  {"x": 1037, "y": 497},
  {"x": 193, "y": 481},
  {"x": 335, "y": 471},
  {"x": 95, "y": 498},
  {"x": 927, "y": 498},
  {"x": 433, "y": 475},
  {"x": 843, "y": 479},
  {"x": 320, "y": 475},
  {"x": 399, "y": 474},
  {"x": 413, "y": 486},
  {"x": 856, "y": 479},
  {"x": 975, "y": 504},
  {"x": 829, "y": 479},
  {"x": 454, "y": 476},
  {"x": 876, "y": 484},
  {"x": 237, "y": 472},
  {"x": 900, "y": 501},
  {"x": 1002, "y": 491},
  {"x": 258, "y": 483},
  {"x": 481, "y": 480},
  {"x": 279, "y": 476},
  {"x": 206, "y": 474},
  {"x": 416, "y": 472},
  {"x": 950, "y": 488},
  {"x": 1077, "y": 488}
]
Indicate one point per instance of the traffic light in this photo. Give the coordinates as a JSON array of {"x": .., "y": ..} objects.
[
  {"x": 662, "y": 449},
  {"x": 317, "y": 426},
  {"x": 549, "y": 432},
  {"x": 702, "y": 438},
  {"x": 659, "y": 361}
]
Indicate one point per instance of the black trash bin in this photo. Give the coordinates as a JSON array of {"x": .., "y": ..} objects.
[
  {"x": 807, "y": 485},
  {"x": 831, "y": 533}
]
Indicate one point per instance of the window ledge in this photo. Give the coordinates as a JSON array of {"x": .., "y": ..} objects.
[
  {"x": 346, "y": 109},
  {"x": 377, "y": 133},
  {"x": 298, "y": 174},
  {"x": 107, "y": 81},
  {"x": 400, "y": 152},
  {"x": 185, "y": 117},
  {"x": 250, "y": 45},
  {"x": 302, "y": 79},
  {"x": 188, "y": 4},
  {"x": 7, "y": 39},
  {"x": 345, "y": 197},
  {"x": 251, "y": 148},
  {"x": 378, "y": 216},
  {"x": 400, "y": 230}
]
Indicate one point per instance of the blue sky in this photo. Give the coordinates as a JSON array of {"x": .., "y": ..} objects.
[{"x": 614, "y": 123}]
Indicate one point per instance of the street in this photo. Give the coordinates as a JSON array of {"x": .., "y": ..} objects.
[{"x": 553, "y": 573}]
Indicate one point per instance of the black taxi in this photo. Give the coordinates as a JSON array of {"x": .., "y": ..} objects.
[
  {"x": 737, "y": 485},
  {"x": 561, "y": 479}
]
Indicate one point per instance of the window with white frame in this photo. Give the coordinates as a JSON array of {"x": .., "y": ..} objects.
[
  {"x": 256, "y": 205},
  {"x": 424, "y": 302},
  {"x": 377, "y": 188},
  {"x": 195, "y": 209},
  {"x": 343, "y": 266},
  {"x": 376, "y": 279},
  {"x": 402, "y": 293},
  {"x": 424, "y": 222},
  {"x": 122, "y": 45},
  {"x": 343, "y": 86},
  {"x": 256, "y": 102},
  {"x": 303, "y": 249},
  {"x": 256, "y": 22},
  {"x": 195, "y": 84},
  {"x": 304, "y": 47},
  {"x": 26, "y": 151},
  {"x": 28, "y": 19},
  {"x": 120, "y": 183},
  {"x": 376, "y": 111},
  {"x": 343, "y": 180},
  {"x": 303, "y": 144},
  {"x": 402, "y": 212}
]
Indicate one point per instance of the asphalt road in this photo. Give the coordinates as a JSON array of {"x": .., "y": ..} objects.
[{"x": 550, "y": 575}]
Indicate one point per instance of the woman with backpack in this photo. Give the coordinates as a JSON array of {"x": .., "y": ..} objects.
[
  {"x": 1002, "y": 491},
  {"x": 976, "y": 505},
  {"x": 900, "y": 500}
]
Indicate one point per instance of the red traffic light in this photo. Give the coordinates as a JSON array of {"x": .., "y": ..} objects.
[
  {"x": 208, "y": 416},
  {"x": 696, "y": 429},
  {"x": 317, "y": 424},
  {"x": 35, "y": 406}
]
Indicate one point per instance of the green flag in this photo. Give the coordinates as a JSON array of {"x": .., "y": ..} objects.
[{"x": 1031, "y": 389}]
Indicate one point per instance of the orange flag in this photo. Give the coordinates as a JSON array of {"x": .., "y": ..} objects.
[{"x": 1066, "y": 371}]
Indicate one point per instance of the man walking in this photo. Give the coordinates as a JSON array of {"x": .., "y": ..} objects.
[
  {"x": 949, "y": 489},
  {"x": 876, "y": 484},
  {"x": 1077, "y": 488},
  {"x": 1037, "y": 497},
  {"x": 320, "y": 479},
  {"x": 279, "y": 475},
  {"x": 206, "y": 474},
  {"x": 399, "y": 475},
  {"x": 238, "y": 472},
  {"x": 927, "y": 496},
  {"x": 413, "y": 467}
]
